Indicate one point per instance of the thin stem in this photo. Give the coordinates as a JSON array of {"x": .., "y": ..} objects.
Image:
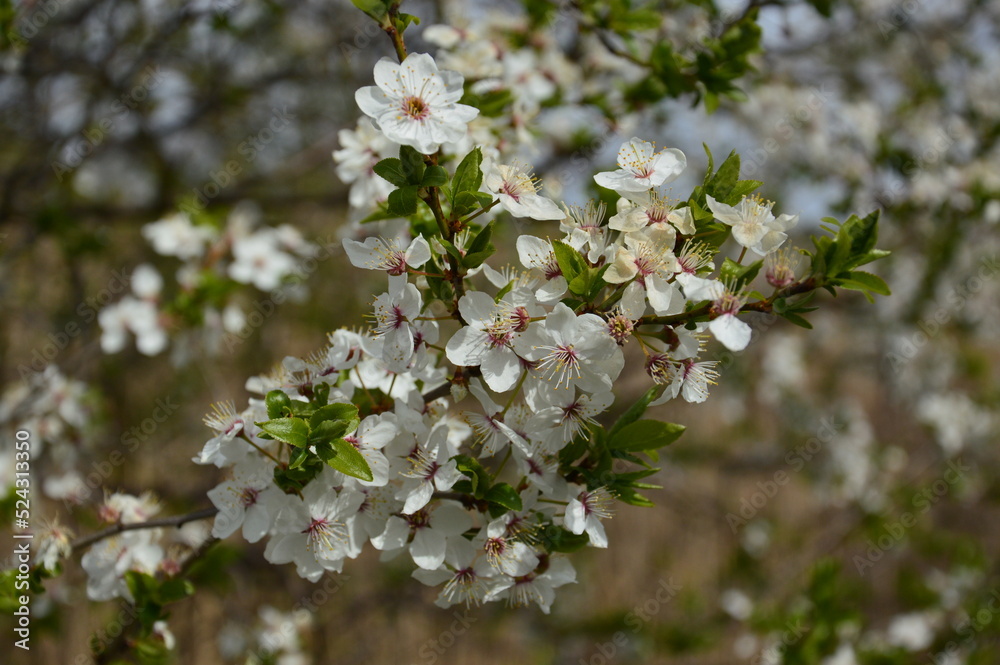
[
  {"x": 478, "y": 213},
  {"x": 513, "y": 394},
  {"x": 424, "y": 273},
  {"x": 431, "y": 199},
  {"x": 243, "y": 436},
  {"x": 613, "y": 298},
  {"x": 175, "y": 521},
  {"x": 389, "y": 27},
  {"x": 503, "y": 463}
]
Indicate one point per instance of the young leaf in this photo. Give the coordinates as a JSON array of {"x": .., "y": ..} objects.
[
  {"x": 646, "y": 435},
  {"x": 468, "y": 179},
  {"x": 402, "y": 202},
  {"x": 435, "y": 176},
  {"x": 391, "y": 169},
  {"x": 738, "y": 274},
  {"x": 290, "y": 430},
  {"x": 505, "y": 496},
  {"x": 479, "y": 477},
  {"x": 348, "y": 412},
  {"x": 278, "y": 404},
  {"x": 570, "y": 261},
  {"x": 634, "y": 412},
  {"x": 412, "y": 163},
  {"x": 345, "y": 458},
  {"x": 589, "y": 282}
]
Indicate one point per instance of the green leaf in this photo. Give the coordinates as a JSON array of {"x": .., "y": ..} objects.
[
  {"x": 391, "y": 169},
  {"x": 344, "y": 412},
  {"x": 413, "y": 165},
  {"x": 344, "y": 457},
  {"x": 331, "y": 430},
  {"x": 505, "y": 496},
  {"x": 589, "y": 282},
  {"x": 290, "y": 430},
  {"x": 722, "y": 184},
  {"x": 403, "y": 21},
  {"x": 435, "y": 176},
  {"x": 744, "y": 187},
  {"x": 453, "y": 251},
  {"x": 468, "y": 179},
  {"x": 571, "y": 263},
  {"x": 797, "y": 320},
  {"x": 478, "y": 476},
  {"x": 645, "y": 435},
  {"x": 480, "y": 248},
  {"x": 490, "y": 104},
  {"x": 558, "y": 539},
  {"x": 634, "y": 412},
  {"x": 737, "y": 274},
  {"x": 863, "y": 233},
  {"x": 278, "y": 404},
  {"x": 873, "y": 255},
  {"x": 377, "y": 9},
  {"x": 402, "y": 202},
  {"x": 666, "y": 65},
  {"x": 298, "y": 458},
  {"x": 866, "y": 281},
  {"x": 175, "y": 589},
  {"x": 141, "y": 586}
]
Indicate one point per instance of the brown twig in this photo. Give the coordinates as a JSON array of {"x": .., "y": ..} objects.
[{"x": 175, "y": 521}]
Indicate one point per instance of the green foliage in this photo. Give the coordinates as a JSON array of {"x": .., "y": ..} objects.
[
  {"x": 848, "y": 246},
  {"x": 502, "y": 498},
  {"x": 479, "y": 478},
  {"x": 480, "y": 249},
  {"x": 151, "y": 595},
  {"x": 571, "y": 262},
  {"x": 643, "y": 435},
  {"x": 558, "y": 539},
  {"x": 317, "y": 426},
  {"x": 738, "y": 275},
  {"x": 466, "y": 183}
]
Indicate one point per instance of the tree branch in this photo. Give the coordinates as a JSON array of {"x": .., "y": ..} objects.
[{"x": 175, "y": 521}]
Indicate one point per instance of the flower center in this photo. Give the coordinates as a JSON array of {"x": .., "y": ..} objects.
[
  {"x": 248, "y": 496},
  {"x": 416, "y": 108},
  {"x": 562, "y": 362}
]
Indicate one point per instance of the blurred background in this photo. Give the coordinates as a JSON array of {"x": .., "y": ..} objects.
[{"x": 833, "y": 502}]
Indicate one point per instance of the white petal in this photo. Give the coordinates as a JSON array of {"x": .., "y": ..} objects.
[{"x": 733, "y": 333}]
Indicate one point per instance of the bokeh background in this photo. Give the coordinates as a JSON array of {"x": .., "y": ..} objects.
[{"x": 833, "y": 502}]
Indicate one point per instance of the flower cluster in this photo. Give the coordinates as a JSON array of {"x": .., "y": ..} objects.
[
  {"x": 462, "y": 428},
  {"x": 215, "y": 263}
]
